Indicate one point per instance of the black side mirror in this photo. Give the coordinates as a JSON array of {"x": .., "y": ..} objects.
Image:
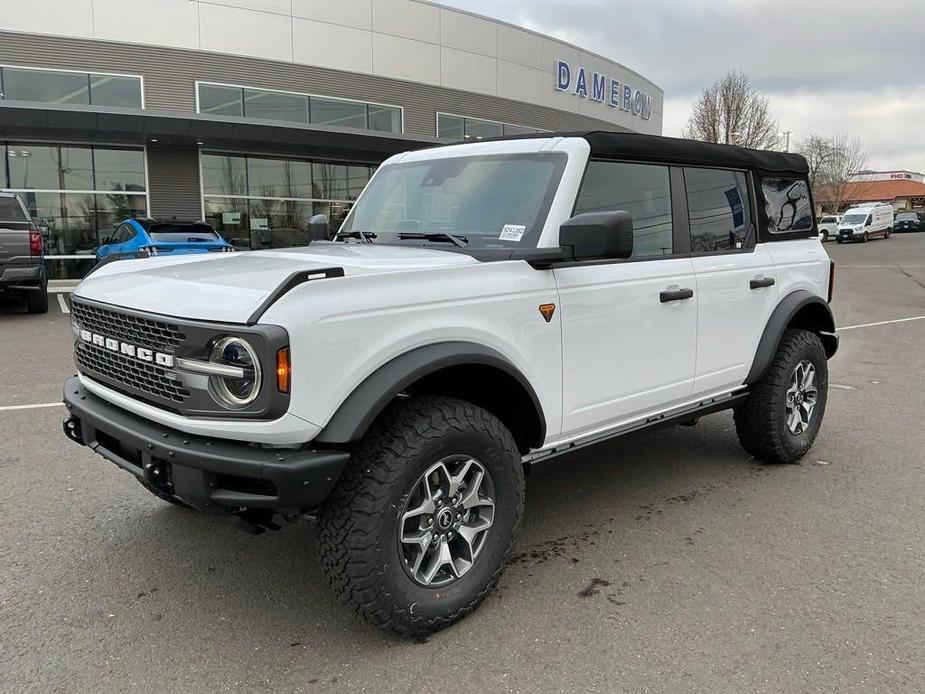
[
  {"x": 318, "y": 228},
  {"x": 598, "y": 235}
]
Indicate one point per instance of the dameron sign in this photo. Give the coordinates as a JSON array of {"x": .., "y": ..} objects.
[{"x": 602, "y": 89}]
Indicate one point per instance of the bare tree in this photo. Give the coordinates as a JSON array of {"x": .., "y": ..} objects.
[
  {"x": 835, "y": 159},
  {"x": 816, "y": 149},
  {"x": 731, "y": 111}
]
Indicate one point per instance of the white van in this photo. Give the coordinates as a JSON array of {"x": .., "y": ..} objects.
[{"x": 866, "y": 222}]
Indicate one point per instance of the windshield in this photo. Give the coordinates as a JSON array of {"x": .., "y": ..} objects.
[
  {"x": 490, "y": 201},
  {"x": 907, "y": 217},
  {"x": 854, "y": 218}
]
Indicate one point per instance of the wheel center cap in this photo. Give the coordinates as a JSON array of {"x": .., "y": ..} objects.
[{"x": 445, "y": 519}]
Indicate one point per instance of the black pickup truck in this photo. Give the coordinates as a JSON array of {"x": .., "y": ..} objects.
[{"x": 22, "y": 257}]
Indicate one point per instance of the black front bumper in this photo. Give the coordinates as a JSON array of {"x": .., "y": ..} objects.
[{"x": 213, "y": 475}]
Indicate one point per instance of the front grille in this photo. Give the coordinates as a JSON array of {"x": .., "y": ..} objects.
[
  {"x": 141, "y": 376},
  {"x": 135, "y": 329}
]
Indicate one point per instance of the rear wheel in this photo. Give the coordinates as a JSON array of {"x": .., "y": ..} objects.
[
  {"x": 37, "y": 301},
  {"x": 887, "y": 233},
  {"x": 781, "y": 418},
  {"x": 418, "y": 529}
]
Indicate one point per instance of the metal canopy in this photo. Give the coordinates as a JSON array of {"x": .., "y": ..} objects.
[{"x": 21, "y": 120}]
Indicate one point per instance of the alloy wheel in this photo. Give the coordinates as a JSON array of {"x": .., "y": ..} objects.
[
  {"x": 802, "y": 396},
  {"x": 446, "y": 521}
]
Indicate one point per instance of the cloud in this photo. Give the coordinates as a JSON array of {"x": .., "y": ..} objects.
[{"x": 825, "y": 66}]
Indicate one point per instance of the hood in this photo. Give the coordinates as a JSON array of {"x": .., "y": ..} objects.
[{"x": 229, "y": 287}]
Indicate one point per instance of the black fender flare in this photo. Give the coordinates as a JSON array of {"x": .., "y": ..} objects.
[
  {"x": 821, "y": 322},
  {"x": 367, "y": 401}
]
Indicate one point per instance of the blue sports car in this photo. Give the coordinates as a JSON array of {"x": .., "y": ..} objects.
[{"x": 136, "y": 238}]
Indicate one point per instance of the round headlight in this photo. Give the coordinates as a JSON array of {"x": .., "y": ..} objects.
[{"x": 236, "y": 391}]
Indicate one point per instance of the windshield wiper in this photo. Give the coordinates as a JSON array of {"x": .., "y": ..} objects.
[
  {"x": 460, "y": 241},
  {"x": 364, "y": 236}
]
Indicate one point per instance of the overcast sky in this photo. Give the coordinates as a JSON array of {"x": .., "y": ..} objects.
[{"x": 826, "y": 66}]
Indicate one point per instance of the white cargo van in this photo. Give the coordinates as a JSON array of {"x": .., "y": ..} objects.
[{"x": 866, "y": 222}]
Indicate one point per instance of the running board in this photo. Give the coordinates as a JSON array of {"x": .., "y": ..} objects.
[{"x": 708, "y": 406}]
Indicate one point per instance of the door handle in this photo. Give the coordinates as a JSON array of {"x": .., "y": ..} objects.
[
  {"x": 675, "y": 295},
  {"x": 760, "y": 282}
]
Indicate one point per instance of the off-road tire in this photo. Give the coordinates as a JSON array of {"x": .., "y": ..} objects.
[
  {"x": 37, "y": 302},
  {"x": 162, "y": 495},
  {"x": 359, "y": 547},
  {"x": 761, "y": 421}
]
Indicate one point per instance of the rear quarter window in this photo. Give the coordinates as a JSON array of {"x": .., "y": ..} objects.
[
  {"x": 11, "y": 210},
  {"x": 787, "y": 205}
]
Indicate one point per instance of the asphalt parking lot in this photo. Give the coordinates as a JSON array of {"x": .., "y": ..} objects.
[{"x": 666, "y": 562}]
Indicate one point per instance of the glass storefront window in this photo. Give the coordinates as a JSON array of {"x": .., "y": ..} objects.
[
  {"x": 330, "y": 180},
  {"x": 76, "y": 168},
  {"x": 110, "y": 90},
  {"x": 279, "y": 178},
  {"x": 224, "y": 175},
  {"x": 222, "y": 101},
  {"x": 76, "y": 195},
  {"x": 479, "y": 129},
  {"x": 343, "y": 114},
  {"x": 119, "y": 169},
  {"x": 275, "y": 106}
]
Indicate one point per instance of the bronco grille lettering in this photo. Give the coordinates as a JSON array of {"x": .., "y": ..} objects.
[{"x": 128, "y": 349}]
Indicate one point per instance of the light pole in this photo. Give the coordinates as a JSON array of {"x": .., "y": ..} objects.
[{"x": 787, "y": 134}]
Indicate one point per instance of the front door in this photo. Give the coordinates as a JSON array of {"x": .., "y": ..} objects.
[{"x": 628, "y": 327}]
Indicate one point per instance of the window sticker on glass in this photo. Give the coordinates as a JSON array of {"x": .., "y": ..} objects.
[{"x": 512, "y": 232}]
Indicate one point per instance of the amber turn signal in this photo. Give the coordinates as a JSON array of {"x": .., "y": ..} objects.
[
  {"x": 282, "y": 370},
  {"x": 547, "y": 310}
]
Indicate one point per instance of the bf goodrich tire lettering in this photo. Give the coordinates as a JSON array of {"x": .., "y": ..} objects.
[{"x": 361, "y": 558}]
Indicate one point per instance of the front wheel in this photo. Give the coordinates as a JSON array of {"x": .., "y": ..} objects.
[
  {"x": 866, "y": 237},
  {"x": 418, "y": 529},
  {"x": 779, "y": 421}
]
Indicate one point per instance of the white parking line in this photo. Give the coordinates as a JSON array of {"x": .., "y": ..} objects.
[
  {"x": 37, "y": 406},
  {"x": 63, "y": 304},
  {"x": 883, "y": 322}
]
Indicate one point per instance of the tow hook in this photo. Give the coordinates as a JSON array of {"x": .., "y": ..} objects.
[
  {"x": 254, "y": 521},
  {"x": 72, "y": 430}
]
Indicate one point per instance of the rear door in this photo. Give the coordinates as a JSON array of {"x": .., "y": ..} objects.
[
  {"x": 14, "y": 229},
  {"x": 736, "y": 277},
  {"x": 628, "y": 347}
]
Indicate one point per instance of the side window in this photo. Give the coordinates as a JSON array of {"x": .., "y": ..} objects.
[
  {"x": 787, "y": 201},
  {"x": 720, "y": 210},
  {"x": 643, "y": 190}
]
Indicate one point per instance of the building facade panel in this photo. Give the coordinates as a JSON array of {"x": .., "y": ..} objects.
[{"x": 140, "y": 98}]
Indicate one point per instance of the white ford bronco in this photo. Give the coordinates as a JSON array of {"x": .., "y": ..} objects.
[{"x": 483, "y": 307}]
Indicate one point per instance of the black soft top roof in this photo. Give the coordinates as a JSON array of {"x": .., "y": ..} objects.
[{"x": 675, "y": 150}]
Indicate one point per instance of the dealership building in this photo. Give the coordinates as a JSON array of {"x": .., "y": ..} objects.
[{"x": 256, "y": 114}]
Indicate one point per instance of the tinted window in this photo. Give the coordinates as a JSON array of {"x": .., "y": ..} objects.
[
  {"x": 107, "y": 90},
  {"x": 179, "y": 233},
  {"x": 827, "y": 220},
  {"x": 47, "y": 86},
  {"x": 275, "y": 106},
  {"x": 34, "y": 166},
  {"x": 224, "y": 175},
  {"x": 222, "y": 101},
  {"x": 450, "y": 127},
  {"x": 719, "y": 209},
  {"x": 478, "y": 129},
  {"x": 384, "y": 118},
  {"x": 119, "y": 169},
  {"x": 343, "y": 114},
  {"x": 10, "y": 210},
  {"x": 787, "y": 201},
  {"x": 642, "y": 190}
]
